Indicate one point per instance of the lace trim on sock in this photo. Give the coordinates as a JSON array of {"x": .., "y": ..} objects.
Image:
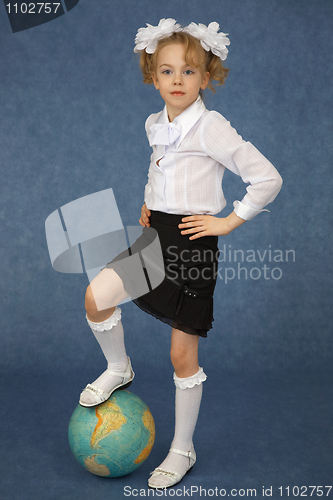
[
  {"x": 108, "y": 323},
  {"x": 189, "y": 382}
]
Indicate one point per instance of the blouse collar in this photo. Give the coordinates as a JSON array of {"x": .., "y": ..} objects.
[{"x": 187, "y": 119}]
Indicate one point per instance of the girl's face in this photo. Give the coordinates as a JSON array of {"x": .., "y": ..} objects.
[{"x": 178, "y": 83}]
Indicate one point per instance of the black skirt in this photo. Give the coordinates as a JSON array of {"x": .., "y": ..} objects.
[{"x": 184, "y": 299}]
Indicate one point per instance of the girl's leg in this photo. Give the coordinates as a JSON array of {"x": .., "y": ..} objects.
[
  {"x": 103, "y": 294},
  {"x": 184, "y": 353},
  {"x": 188, "y": 378},
  {"x": 104, "y": 318}
]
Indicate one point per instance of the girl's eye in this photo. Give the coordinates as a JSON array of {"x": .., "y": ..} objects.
[
  {"x": 167, "y": 72},
  {"x": 188, "y": 72}
]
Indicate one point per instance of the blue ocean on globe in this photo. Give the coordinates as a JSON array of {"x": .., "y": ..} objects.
[{"x": 114, "y": 438}]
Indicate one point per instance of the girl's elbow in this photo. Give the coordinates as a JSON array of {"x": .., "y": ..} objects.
[{"x": 278, "y": 181}]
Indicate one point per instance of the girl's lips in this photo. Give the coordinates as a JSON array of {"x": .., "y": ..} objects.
[{"x": 177, "y": 93}]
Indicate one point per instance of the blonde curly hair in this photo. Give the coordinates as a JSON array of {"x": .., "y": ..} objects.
[{"x": 193, "y": 50}]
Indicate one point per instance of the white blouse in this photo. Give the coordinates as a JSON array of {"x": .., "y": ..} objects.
[{"x": 188, "y": 161}]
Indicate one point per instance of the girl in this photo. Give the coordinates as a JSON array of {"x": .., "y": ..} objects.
[{"x": 191, "y": 149}]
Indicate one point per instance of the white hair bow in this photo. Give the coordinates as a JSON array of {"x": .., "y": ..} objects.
[{"x": 148, "y": 38}]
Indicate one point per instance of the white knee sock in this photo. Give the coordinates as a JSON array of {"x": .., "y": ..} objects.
[
  {"x": 110, "y": 336},
  {"x": 188, "y": 399}
]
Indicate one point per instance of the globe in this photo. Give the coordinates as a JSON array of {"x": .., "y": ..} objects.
[{"x": 114, "y": 438}]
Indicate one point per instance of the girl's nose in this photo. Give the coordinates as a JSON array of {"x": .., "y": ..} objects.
[{"x": 178, "y": 80}]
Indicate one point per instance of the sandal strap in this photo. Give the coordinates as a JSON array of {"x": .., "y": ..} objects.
[
  {"x": 175, "y": 476},
  {"x": 99, "y": 395},
  {"x": 159, "y": 470},
  {"x": 189, "y": 454},
  {"x": 96, "y": 391}
]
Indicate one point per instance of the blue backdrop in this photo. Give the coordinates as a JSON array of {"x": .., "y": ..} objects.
[{"x": 72, "y": 112}]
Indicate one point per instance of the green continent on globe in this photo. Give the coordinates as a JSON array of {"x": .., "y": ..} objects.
[
  {"x": 95, "y": 468},
  {"x": 114, "y": 438},
  {"x": 110, "y": 419},
  {"x": 148, "y": 422}
]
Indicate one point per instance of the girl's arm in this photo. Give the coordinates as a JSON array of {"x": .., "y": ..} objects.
[
  {"x": 208, "y": 225},
  {"x": 222, "y": 143}
]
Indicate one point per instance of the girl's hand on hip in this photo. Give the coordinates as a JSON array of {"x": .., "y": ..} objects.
[
  {"x": 145, "y": 214},
  {"x": 208, "y": 225}
]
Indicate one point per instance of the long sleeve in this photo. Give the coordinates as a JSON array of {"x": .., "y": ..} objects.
[{"x": 222, "y": 143}]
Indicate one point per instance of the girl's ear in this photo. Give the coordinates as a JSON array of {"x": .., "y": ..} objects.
[
  {"x": 205, "y": 80},
  {"x": 155, "y": 81}
]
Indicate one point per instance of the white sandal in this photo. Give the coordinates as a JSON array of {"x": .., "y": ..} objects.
[
  {"x": 174, "y": 477},
  {"x": 99, "y": 395}
]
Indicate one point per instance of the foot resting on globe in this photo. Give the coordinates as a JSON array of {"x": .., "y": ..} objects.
[
  {"x": 172, "y": 469},
  {"x": 102, "y": 388}
]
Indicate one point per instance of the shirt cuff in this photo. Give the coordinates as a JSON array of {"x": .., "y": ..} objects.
[{"x": 245, "y": 211}]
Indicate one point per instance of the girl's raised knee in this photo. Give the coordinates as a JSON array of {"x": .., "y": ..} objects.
[
  {"x": 93, "y": 313},
  {"x": 90, "y": 303}
]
